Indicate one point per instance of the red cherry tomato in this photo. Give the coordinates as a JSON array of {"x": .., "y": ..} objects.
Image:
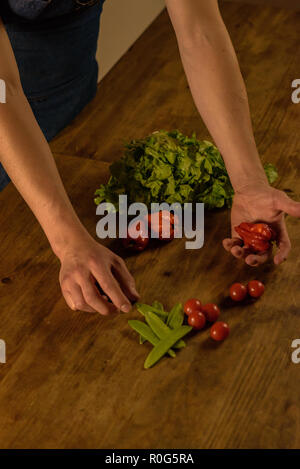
[
  {"x": 211, "y": 312},
  {"x": 219, "y": 331},
  {"x": 197, "y": 320},
  {"x": 238, "y": 292},
  {"x": 191, "y": 306},
  {"x": 139, "y": 243},
  {"x": 159, "y": 224},
  {"x": 255, "y": 288}
]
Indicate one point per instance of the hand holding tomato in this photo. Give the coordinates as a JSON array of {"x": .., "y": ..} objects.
[{"x": 261, "y": 202}]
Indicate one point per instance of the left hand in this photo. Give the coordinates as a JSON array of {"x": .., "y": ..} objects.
[{"x": 261, "y": 203}]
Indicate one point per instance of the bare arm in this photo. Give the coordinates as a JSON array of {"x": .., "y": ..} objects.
[
  {"x": 219, "y": 93},
  {"x": 27, "y": 158},
  {"x": 217, "y": 85}
]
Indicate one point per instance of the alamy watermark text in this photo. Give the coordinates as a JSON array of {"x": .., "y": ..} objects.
[
  {"x": 2, "y": 91},
  {"x": 2, "y": 351}
]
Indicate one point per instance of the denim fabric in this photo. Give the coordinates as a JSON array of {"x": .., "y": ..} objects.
[
  {"x": 29, "y": 9},
  {"x": 41, "y": 10},
  {"x": 58, "y": 68}
]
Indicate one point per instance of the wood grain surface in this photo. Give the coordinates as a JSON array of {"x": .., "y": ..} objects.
[{"x": 76, "y": 380}]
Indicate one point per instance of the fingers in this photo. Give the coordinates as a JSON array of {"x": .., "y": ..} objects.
[
  {"x": 228, "y": 243},
  {"x": 86, "y": 298},
  {"x": 93, "y": 298},
  {"x": 74, "y": 298},
  {"x": 117, "y": 286},
  {"x": 234, "y": 246},
  {"x": 257, "y": 259},
  {"x": 283, "y": 244},
  {"x": 112, "y": 289},
  {"x": 125, "y": 279},
  {"x": 286, "y": 204},
  {"x": 240, "y": 252}
]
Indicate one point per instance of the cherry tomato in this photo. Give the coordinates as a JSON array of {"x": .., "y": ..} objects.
[
  {"x": 211, "y": 312},
  {"x": 139, "y": 243},
  {"x": 192, "y": 305},
  {"x": 219, "y": 331},
  {"x": 158, "y": 223},
  {"x": 255, "y": 288},
  {"x": 238, "y": 292},
  {"x": 197, "y": 320}
]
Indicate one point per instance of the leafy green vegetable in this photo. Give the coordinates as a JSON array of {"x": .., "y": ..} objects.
[
  {"x": 271, "y": 172},
  {"x": 171, "y": 167}
]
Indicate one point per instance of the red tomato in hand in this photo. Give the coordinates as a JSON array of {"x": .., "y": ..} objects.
[
  {"x": 264, "y": 230},
  {"x": 191, "y": 306},
  {"x": 255, "y": 288},
  {"x": 211, "y": 312},
  {"x": 238, "y": 292},
  {"x": 219, "y": 331},
  {"x": 197, "y": 320}
]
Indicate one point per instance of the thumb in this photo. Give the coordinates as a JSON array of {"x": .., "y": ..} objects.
[{"x": 287, "y": 205}]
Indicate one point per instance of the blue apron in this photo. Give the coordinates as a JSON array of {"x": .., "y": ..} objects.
[{"x": 54, "y": 43}]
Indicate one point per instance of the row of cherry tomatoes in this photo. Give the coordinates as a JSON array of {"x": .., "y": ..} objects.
[{"x": 198, "y": 314}]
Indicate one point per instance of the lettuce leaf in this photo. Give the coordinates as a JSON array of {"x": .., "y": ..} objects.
[{"x": 171, "y": 167}]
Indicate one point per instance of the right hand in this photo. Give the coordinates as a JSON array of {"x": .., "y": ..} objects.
[
  {"x": 261, "y": 203},
  {"x": 87, "y": 262}
]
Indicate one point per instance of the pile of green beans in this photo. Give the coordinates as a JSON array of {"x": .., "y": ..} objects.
[{"x": 163, "y": 330}]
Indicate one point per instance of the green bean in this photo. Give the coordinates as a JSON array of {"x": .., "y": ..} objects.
[
  {"x": 165, "y": 344},
  {"x": 145, "y": 331},
  {"x": 143, "y": 308},
  {"x": 157, "y": 305},
  {"x": 160, "y": 328},
  {"x": 142, "y": 339},
  {"x": 176, "y": 316}
]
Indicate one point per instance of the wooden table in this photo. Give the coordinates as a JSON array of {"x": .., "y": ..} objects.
[{"x": 77, "y": 380}]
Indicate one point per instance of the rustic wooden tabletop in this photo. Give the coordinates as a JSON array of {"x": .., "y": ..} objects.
[{"x": 76, "y": 380}]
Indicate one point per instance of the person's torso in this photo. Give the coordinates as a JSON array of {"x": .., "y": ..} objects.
[
  {"x": 54, "y": 44},
  {"x": 39, "y": 12}
]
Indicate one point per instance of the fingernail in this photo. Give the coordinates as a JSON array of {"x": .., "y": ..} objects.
[
  {"x": 136, "y": 294},
  {"x": 125, "y": 308}
]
